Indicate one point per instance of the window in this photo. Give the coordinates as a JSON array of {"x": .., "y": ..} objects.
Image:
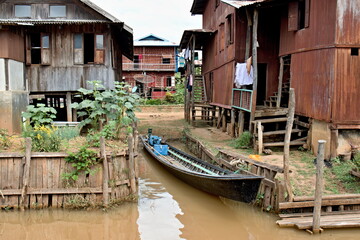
[
  {"x": 168, "y": 81},
  {"x": 222, "y": 37},
  {"x": 166, "y": 60},
  {"x": 354, "y": 52},
  {"x": 38, "y": 49},
  {"x": 23, "y": 11},
  {"x": 94, "y": 48},
  {"x": 229, "y": 29},
  {"x": 299, "y": 15},
  {"x": 136, "y": 61},
  {"x": 58, "y": 11},
  {"x": 78, "y": 49}
]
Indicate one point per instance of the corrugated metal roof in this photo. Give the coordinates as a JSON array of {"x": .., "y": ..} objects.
[
  {"x": 47, "y": 21},
  {"x": 240, "y": 3},
  {"x": 153, "y": 40},
  {"x": 201, "y": 36}
]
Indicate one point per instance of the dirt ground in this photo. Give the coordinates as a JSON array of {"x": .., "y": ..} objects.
[{"x": 169, "y": 123}]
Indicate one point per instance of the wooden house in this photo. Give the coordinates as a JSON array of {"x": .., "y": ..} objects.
[
  {"x": 311, "y": 46},
  {"x": 154, "y": 66},
  {"x": 49, "y": 49}
]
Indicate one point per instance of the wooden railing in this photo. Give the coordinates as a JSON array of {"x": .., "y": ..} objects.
[{"x": 242, "y": 99}]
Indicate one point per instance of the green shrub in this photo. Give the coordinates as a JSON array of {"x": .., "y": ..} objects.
[
  {"x": 356, "y": 159},
  {"x": 44, "y": 138},
  {"x": 157, "y": 101},
  {"x": 4, "y": 139},
  {"x": 67, "y": 133},
  {"x": 39, "y": 115},
  {"x": 82, "y": 162},
  {"x": 243, "y": 141}
]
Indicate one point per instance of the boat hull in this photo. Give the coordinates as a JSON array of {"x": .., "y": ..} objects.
[{"x": 236, "y": 187}]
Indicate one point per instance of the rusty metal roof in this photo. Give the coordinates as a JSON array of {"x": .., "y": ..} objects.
[
  {"x": 242, "y": 3},
  {"x": 201, "y": 36}
]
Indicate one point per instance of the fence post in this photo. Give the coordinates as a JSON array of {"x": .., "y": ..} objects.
[
  {"x": 105, "y": 172},
  {"x": 319, "y": 186},
  {"x": 26, "y": 173},
  {"x": 131, "y": 163}
]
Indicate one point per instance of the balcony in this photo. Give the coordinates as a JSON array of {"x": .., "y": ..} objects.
[{"x": 151, "y": 62}]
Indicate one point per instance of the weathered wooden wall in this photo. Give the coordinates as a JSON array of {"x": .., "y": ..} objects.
[
  {"x": 47, "y": 186},
  {"x": 12, "y": 45},
  {"x": 74, "y": 10}
]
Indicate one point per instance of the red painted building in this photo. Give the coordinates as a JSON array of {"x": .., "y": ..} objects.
[{"x": 153, "y": 67}]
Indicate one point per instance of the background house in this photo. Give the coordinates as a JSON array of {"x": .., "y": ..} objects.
[
  {"x": 309, "y": 45},
  {"x": 153, "y": 67},
  {"x": 50, "y": 49}
]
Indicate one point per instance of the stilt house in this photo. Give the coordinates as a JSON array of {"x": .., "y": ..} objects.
[
  {"x": 311, "y": 46},
  {"x": 49, "y": 49},
  {"x": 154, "y": 66}
]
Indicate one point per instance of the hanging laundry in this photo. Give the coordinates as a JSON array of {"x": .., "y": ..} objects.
[
  {"x": 242, "y": 77},
  {"x": 189, "y": 83}
]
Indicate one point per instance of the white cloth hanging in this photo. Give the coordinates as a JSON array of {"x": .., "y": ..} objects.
[{"x": 241, "y": 75}]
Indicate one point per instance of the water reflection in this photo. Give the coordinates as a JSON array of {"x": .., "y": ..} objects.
[{"x": 167, "y": 209}]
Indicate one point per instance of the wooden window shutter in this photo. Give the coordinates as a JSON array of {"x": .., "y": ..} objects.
[
  {"x": 307, "y": 13},
  {"x": 28, "y": 50},
  {"x": 99, "y": 49},
  {"x": 78, "y": 48},
  {"x": 45, "y": 49},
  {"x": 293, "y": 16}
]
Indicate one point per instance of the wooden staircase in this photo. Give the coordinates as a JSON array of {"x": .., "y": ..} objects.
[{"x": 202, "y": 112}]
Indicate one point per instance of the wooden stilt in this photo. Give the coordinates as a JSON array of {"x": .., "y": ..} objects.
[
  {"x": 26, "y": 174},
  {"x": 289, "y": 125},
  {"x": 68, "y": 107},
  {"x": 281, "y": 74},
  {"x": 260, "y": 138},
  {"x": 224, "y": 123},
  {"x": 319, "y": 187},
  {"x": 131, "y": 163}
]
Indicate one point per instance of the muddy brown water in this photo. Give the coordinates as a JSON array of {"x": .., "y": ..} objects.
[{"x": 167, "y": 209}]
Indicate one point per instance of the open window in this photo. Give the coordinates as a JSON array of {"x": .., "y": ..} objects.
[
  {"x": 136, "y": 61},
  {"x": 299, "y": 15},
  {"x": 166, "y": 59},
  {"x": 229, "y": 29},
  {"x": 93, "y": 48},
  {"x": 38, "y": 49},
  {"x": 168, "y": 81}
]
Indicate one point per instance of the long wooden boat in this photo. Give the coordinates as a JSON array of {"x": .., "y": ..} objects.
[{"x": 205, "y": 176}]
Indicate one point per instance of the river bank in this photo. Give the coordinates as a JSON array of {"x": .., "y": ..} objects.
[{"x": 168, "y": 122}]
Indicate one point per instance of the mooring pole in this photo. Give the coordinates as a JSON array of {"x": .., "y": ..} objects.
[
  {"x": 319, "y": 186},
  {"x": 26, "y": 174}
]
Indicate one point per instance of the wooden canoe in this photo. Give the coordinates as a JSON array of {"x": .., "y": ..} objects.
[{"x": 205, "y": 176}]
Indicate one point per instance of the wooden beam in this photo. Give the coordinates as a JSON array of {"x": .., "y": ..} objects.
[
  {"x": 255, "y": 67},
  {"x": 326, "y": 197},
  {"x": 281, "y": 74},
  {"x": 289, "y": 125},
  {"x": 260, "y": 138},
  {"x": 131, "y": 163},
  {"x": 241, "y": 122},
  {"x": 248, "y": 34},
  {"x": 334, "y": 143},
  {"x": 330, "y": 202}
]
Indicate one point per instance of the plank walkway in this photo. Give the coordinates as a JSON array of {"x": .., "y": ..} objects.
[{"x": 343, "y": 220}]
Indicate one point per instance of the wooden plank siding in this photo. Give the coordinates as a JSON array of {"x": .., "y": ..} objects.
[
  {"x": 346, "y": 100},
  {"x": 12, "y": 45},
  {"x": 313, "y": 82}
]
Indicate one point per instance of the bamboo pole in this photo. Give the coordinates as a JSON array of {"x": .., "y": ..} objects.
[
  {"x": 318, "y": 187},
  {"x": 26, "y": 174},
  {"x": 105, "y": 172},
  {"x": 255, "y": 67},
  {"x": 131, "y": 163},
  {"x": 289, "y": 125}
]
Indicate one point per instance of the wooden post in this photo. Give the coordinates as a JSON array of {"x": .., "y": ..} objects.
[
  {"x": 289, "y": 125},
  {"x": 68, "y": 107},
  {"x": 105, "y": 172},
  {"x": 232, "y": 129},
  {"x": 334, "y": 143},
  {"x": 248, "y": 34},
  {"x": 136, "y": 153},
  {"x": 319, "y": 186},
  {"x": 281, "y": 74},
  {"x": 260, "y": 138},
  {"x": 26, "y": 173},
  {"x": 131, "y": 163},
  {"x": 241, "y": 122},
  {"x": 223, "y": 120},
  {"x": 255, "y": 67}
]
